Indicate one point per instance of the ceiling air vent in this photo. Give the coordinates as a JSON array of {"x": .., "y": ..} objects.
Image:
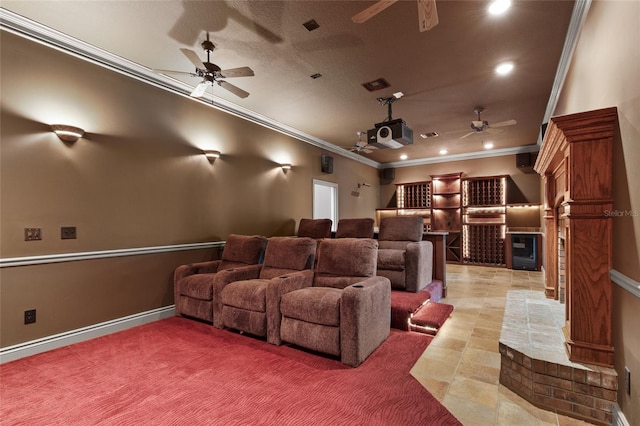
[
  {"x": 429, "y": 135},
  {"x": 311, "y": 25},
  {"x": 374, "y": 85}
]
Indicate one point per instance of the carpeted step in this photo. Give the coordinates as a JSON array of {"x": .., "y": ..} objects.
[
  {"x": 404, "y": 304},
  {"x": 430, "y": 317}
]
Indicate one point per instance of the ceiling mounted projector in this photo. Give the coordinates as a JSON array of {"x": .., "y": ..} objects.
[{"x": 392, "y": 134}]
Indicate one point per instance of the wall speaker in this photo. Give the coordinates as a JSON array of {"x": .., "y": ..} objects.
[
  {"x": 388, "y": 174},
  {"x": 523, "y": 160},
  {"x": 326, "y": 163}
]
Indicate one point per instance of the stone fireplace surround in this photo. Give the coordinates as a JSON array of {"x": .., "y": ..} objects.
[{"x": 536, "y": 366}]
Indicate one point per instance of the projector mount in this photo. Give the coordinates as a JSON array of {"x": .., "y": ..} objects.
[
  {"x": 390, "y": 133},
  {"x": 388, "y": 102}
]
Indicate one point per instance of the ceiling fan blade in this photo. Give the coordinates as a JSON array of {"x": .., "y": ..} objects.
[
  {"x": 237, "y": 72},
  {"x": 193, "y": 57},
  {"x": 505, "y": 123},
  {"x": 170, "y": 72},
  {"x": 427, "y": 14},
  {"x": 492, "y": 130},
  {"x": 367, "y": 150},
  {"x": 468, "y": 134},
  {"x": 199, "y": 90},
  {"x": 233, "y": 89},
  {"x": 372, "y": 11}
]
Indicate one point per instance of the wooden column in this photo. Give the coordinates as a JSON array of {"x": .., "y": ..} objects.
[{"x": 576, "y": 162}]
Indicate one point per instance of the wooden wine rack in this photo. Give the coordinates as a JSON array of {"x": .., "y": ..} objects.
[
  {"x": 484, "y": 245},
  {"x": 484, "y": 220},
  {"x": 414, "y": 199},
  {"x": 414, "y": 195},
  {"x": 446, "y": 203}
]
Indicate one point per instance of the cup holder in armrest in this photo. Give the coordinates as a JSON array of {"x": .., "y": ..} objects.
[{"x": 357, "y": 286}]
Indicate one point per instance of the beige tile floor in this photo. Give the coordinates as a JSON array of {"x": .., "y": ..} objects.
[{"x": 461, "y": 367}]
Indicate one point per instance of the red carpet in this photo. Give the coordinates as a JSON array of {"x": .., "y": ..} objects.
[{"x": 178, "y": 371}]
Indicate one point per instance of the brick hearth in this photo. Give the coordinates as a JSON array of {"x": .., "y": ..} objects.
[{"x": 535, "y": 364}]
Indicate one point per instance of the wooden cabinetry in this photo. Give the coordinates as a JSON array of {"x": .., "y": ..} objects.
[
  {"x": 484, "y": 220},
  {"x": 575, "y": 161},
  {"x": 446, "y": 204}
]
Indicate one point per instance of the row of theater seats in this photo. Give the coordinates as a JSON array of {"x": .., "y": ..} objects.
[
  {"x": 403, "y": 256},
  {"x": 323, "y": 294}
]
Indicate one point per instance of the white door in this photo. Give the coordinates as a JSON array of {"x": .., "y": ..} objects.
[{"x": 325, "y": 201}]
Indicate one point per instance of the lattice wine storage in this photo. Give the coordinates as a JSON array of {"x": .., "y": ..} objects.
[
  {"x": 415, "y": 199},
  {"x": 484, "y": 220},
  {"x": 414, "y": 195}
]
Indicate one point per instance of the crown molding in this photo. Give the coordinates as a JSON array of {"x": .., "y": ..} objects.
[
  {"x": 34, "y": 31},
  {"x": 24, "y": 27}
]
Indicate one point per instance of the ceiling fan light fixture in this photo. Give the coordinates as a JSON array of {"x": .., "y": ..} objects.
[{"x": 498, "y": 7}]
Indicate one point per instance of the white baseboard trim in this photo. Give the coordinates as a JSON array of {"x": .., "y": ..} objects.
[
  {"x": 618, "y": 417},
  {"x": 21, "y": 350}
]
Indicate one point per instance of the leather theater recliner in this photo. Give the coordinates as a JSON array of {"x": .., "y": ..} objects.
[
  {"x": 403, "y": 256},
  {"x": 193, "y": 290},
  {"x": 345, "y": 311},
  {"x": 253, "y": 305}
]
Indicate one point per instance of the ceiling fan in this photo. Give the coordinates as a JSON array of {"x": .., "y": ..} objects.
[
  {"x": 211, "y": 73},
  {"x": 427, "y": 13},
  {"x": 362, "y": 147},
  {"x": 481, "y": 126}
]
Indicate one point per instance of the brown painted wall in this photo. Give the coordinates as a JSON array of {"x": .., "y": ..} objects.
[
  {"x": 604, "y": 73},
  {"x": 138, "y": 179}
]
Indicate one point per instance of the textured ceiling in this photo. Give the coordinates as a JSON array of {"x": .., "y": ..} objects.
[{"x": 444, "y": 73}]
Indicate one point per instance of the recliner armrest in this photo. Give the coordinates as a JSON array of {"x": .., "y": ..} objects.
[
  {"x": 227, "y": 276},
  {"x": 418, "y": 265},
  {"x": 275, "y": 289},
  {"x": 209, "y": 267},
  {"x": 365, "y": 318}
]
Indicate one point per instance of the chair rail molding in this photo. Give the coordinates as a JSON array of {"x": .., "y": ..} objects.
[
  {"x": 629, "y": 284},
  {"x": 103, "y": 254}
]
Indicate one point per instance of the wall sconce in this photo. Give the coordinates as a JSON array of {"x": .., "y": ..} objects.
[
  {"x": 285, "y": 167},
  {"x": 67, "y": 133},
  {"x": 211, "y": 155}
]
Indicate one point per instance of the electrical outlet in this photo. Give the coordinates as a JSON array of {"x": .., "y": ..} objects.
[
  {"x": 32, "y": 234},
  {"x": 68, "y": 233},
  {"x": 30, "y": 316},
  {"x": 627, "y": 380}
]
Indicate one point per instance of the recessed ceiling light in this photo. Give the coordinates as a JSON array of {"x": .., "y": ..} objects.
[
  {"x": 443, "y": 151},
  {"x": 404, "y": 157},
  {"x": 498, "y": 7},
  {"x": 504, "y": 68},
  {"x": 487, "y": 145}
]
